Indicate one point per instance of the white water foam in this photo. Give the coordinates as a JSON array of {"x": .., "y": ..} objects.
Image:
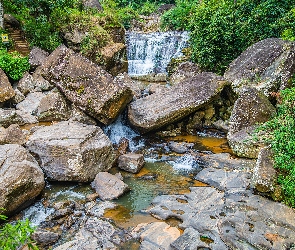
[
  {"x": 186, "y": 162},
  {"x": 37, "y": 213},
  {"x": 118, "y": 130}
]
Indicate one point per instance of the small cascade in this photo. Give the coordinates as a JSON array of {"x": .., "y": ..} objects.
[
  {"x": 120, "y": 129},
  {"x": 151, "y": 52}
]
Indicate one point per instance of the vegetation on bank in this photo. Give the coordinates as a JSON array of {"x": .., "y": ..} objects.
[{"x": 14, "y": 236}]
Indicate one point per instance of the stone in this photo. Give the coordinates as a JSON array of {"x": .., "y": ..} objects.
[
  {"x": 25, "y": 84},
  {"x": 94, "y": 234},
  {"x": 131, "y": 162},
  {"x": 251, "y": 108},
  {"x": 156, "y": 235},
  {"x": 21, "y": 178},
  {"x": 264, "y": 174},
  {"x": 12, "y": 135},
  {"x": 267, "y": 66},
  {"x": 19, "y": 97},
  {"x": 244, "y": 143},
  {"x": 114, "y": 58},
  {"x": 165, "y": 7},
  {"x": 12, "y": 21},
  {"x": 53, "y": 107},
  {"x": 72, "y": 151},
  {"x": 6, "y": 90},
  {"x": 184, "y": 71},
  {"x": 78, "y": 115},
  {"x": 37, "y": 57},
  {"x": 10, "y": 116},
  {"x": 44, "y": 237},
  {"x": 108, "y": 186},
  {"x": 86, "y": 84},
  {"x": 180, "y": 147},
  {"x": 156, "y": 110}
]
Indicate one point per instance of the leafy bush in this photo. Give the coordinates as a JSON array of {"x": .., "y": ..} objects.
[
  {"x": 281, "y": 137},
  {"x": 13, "y": 236},
  {"x": 13, "y": 64}
]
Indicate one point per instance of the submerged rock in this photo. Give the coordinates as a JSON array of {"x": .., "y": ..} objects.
[
  {"x": 108, "y": 186},
  {"x": 72, "y": 151},
  {"x": 86, "y": 84},
  {"x": 160, "y": 109},
  {"x": 21, "y": 178},
  {"x": 267, "y": 66}
]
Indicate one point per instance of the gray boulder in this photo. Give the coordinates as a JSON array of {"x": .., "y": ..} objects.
[
  {"x": 131, "y": 162},
  {"x": 108, "y": 186},
  {"x": 37, "y": 57},
  {"x": 267, "y": 66},
  {"x": 160, "y": 109},
  {"x": 92, "y": 4},
  {"x": 85, "y": 84},
  {"x": 12, "y": 135},
  {"x": 250, "y": 109},
  {"x": 6, "y": 90},
  {"x": 11, "y": 116},
  {"x": 21, "y": 178},
  {"x": 71, "y": 151},
  {"x": 53, "y": 107},
  {"x": 264, "y": 174}
]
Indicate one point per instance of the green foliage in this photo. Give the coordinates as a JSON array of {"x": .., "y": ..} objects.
[
  {"x": 13, "y": 64},
  {"x": 13, "y": 236},
  {"x": 281, "y": 137},
  {"x": 221, "y": 30}
]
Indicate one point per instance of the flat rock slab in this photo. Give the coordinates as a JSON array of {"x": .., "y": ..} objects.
[
  {"x": 86, "y": 84},
  {"x": 131, "y": 162},
  {"x": 72, "y": 151},
  {"x": 21, "y": 178},
  {"x": 108, "y": 186},
  {"x": 159, "y": 109}
]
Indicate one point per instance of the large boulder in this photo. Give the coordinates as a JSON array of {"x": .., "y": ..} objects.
[
  {"x": 37, "y": 57},
  {"x": 13, "y": 135},
  {"x": 267, "y": 66},
  {"x": 250, "y": 109},
  {"x": 71, "y": 151},
  {"x": 86, "y": 84},
  {"x": 21, "y": 178},
  {"x": 159, "y": 109},
  {"x": 6, "y": 90}
]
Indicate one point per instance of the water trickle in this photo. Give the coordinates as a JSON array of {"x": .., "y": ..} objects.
[{"x": 151, "y": 52}]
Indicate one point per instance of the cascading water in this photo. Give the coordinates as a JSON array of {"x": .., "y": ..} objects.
[{"x": 151, "y": 52}]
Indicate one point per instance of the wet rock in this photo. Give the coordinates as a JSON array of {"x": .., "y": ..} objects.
[
  {"x": 85, "y": 84},
  {"x": 180, "y": 147},
  {"x": 108, "y": 186},
  {"x": 98, "y": 209},
  {"x": 6, "y": 90},
  {"x": 21, "y": 177},
  {"x": 184, "y": 71},
  {"x": 149, "y": 177},
  {"x": 123, "y": 146},
  {"x": 53, "y": 107},
  {"x": 45, "y": 238},
  {"x": 61, "y": 213},
  {"x": 267, "y": 66},
  {"x": 37, "y": 57},
  {"x": 92, "y": 197},
  {"x": 156, "y": 235},
  {"x": 155, "y": 111},
  {"x": 95, "y": 234},
  {"x": 12, "y": 135},
  {"x": 264, "y": 174},
  {"x": 71, "y": 151},
  {"x": 131, "y": 162}
]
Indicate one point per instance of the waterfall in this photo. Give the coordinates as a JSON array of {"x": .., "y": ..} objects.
[{"x": 151, "y": 52}]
